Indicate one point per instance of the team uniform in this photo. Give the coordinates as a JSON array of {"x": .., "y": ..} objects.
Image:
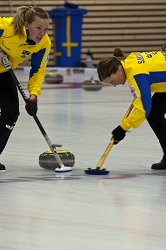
[
  {"x": 18, "y": 49},
  {"x": 146, "y": 74}
]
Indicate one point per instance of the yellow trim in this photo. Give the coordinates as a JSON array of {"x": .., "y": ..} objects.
[
  {"x": 49, "y": 151},
  {"x": 68, "y": 44}
]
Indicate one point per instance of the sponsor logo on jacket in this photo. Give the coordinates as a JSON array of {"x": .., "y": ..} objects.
[
  {"x": 47, "y": 57},
  {"x": 133, "y": 91},
  {"x": 25, "y": 53}
]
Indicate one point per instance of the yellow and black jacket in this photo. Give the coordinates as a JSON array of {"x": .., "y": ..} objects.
[
  {"x": 145, "y": 73},
  {"x": 19, "y": 49}
]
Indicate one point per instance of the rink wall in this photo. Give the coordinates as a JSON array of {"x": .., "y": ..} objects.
[{"x": 69, "y": 74}]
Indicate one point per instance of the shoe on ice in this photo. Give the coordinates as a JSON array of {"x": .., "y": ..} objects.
[
  {"x": 2, "y": 168},
  {"x": 159, "y": 166}
]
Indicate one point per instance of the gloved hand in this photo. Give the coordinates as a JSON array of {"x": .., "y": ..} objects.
[
  {"x": 31, "y": 106},
  {"x": 118, "y": 134}
]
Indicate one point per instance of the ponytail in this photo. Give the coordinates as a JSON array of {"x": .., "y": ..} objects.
[{"x": 118, "y": 53}]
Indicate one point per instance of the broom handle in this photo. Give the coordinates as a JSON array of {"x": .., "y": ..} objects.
[{"x": 106, "y": 152}]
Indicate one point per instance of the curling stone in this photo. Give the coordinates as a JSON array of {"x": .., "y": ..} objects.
[
  {"x": 47, "y": 159},
  {"x": 53, "y": 77},
  {"x": 92, "y": 84}
]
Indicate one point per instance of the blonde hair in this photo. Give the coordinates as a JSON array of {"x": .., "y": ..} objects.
[
  {"x": 109, "y": 65},
  {"x": 27, "y": 14}
]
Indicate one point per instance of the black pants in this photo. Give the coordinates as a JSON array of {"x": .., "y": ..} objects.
[
  {"x": 157, "y": 119},
  {"x": 9, "y": 106}
]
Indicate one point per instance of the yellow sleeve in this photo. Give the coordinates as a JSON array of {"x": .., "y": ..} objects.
[
  {"x": 39, "y": 62},
  {"x": 140, "y": 88},
  {"x": 136, "y": 118}
]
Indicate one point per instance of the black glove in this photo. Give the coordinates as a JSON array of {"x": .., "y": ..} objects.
[
  {"x": 31, "y": 106},
  {"x": 118, "y": 134}
]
